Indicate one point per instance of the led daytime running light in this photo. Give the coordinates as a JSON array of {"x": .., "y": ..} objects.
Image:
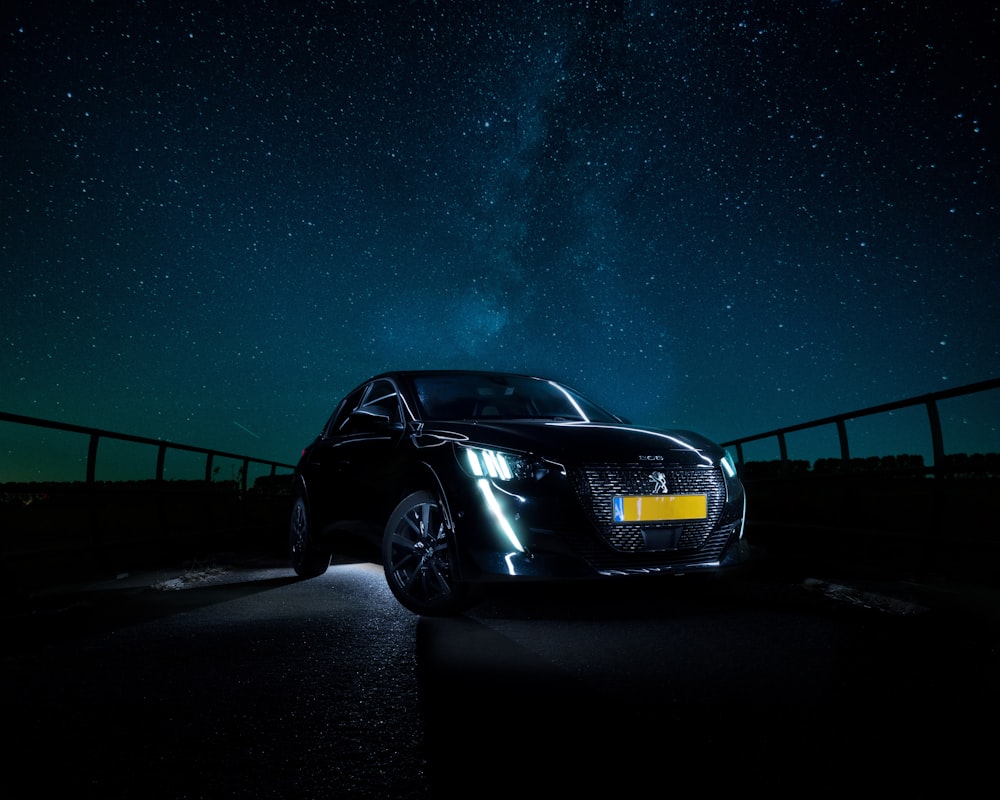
[
  {"x": 489, "y": 462},
  {"x": 498, "y": 515}
]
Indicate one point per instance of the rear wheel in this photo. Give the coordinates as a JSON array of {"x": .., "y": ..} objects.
[
  {"x": 308, "y": 558},
  {"x": 418, "y": 554}
]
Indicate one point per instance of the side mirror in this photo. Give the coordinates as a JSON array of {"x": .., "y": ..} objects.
[
  {"x": 374, "y": 417},
  {"x": 370, "y": 415}
]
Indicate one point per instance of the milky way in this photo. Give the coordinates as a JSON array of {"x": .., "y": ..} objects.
[{"x": 218, "y": 219}]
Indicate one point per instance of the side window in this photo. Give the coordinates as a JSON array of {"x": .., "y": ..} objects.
[
  {"x": 366, "y": 411},
  {"x": 381, "y": 399}
]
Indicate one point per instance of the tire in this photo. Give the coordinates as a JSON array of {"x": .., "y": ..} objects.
[
  {"x": 419, "y": 558},
  {"x": 309, "y": 560}
]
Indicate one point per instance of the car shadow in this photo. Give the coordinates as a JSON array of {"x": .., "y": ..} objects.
[
  {"x": 669, "y": 680},
  {"x": 632, "y": 597}
]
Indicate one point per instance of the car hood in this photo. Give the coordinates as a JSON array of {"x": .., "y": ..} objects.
[{"x": 583, "y": 441}]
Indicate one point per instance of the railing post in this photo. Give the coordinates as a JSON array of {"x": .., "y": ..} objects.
[
  {"x": 937, "y": 441},
  {"x": 92, "y": 458},
  {"x": 845, "y": 452},
  {"x": 160, "y": 458},
  {"x": 91, "y": 493}
]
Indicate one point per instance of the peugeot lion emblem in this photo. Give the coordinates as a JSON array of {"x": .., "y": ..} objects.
[{"x": 659, "y": 482}]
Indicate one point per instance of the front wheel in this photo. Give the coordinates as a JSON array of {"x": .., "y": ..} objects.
[
  {"x": 308, "y": 558},
  {"x": 418, "y": 554}
]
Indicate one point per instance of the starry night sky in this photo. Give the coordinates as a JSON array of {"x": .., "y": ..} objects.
[{"x": 217, "y": 218}]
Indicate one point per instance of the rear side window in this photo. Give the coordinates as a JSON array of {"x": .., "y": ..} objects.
[{"x": 343, "y": 413}]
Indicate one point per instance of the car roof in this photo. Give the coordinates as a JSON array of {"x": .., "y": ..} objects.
[
  {"x": 416, "y": 373},
  {"x": 453, "y": 372}
]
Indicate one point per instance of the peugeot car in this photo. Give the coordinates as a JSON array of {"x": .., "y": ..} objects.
[{"x": 465, "y": 477}]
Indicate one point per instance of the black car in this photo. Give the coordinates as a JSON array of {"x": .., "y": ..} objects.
[{"x": 465, "y": 477}]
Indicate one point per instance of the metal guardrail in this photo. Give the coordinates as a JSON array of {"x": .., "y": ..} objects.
[
  {"x": 58, "y": 531},
  {"x": 929, "y": 401},
  {"x": 889, "y": 516},
  {"x": 96, "y": 434}
]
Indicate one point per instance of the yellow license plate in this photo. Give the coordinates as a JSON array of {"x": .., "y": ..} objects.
[{"x": 659, "y": 507}]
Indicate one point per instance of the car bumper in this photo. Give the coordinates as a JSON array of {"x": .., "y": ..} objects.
[{"x": 524, "y": 540}]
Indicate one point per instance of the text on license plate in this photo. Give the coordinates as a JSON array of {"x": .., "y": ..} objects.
[{"x": 659, "y": 507}]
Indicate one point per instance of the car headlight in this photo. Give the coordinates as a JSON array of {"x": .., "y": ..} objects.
[
  {"x": 488, "y": 466},
  {"x": 482, "y": 462},
  {"x": 728, "y": 466}
]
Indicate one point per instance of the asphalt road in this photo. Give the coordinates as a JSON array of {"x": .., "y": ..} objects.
[{"x": 234, "y": 679}]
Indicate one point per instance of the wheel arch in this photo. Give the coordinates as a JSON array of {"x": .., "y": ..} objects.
[
  {"x": 423, "y": 477},
  {"x": 299, "y": 488}
]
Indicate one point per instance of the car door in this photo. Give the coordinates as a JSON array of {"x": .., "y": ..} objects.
[{"x": 354, "y": 460}]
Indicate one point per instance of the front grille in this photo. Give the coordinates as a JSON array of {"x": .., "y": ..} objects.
[{"x": 597, "y": 484}]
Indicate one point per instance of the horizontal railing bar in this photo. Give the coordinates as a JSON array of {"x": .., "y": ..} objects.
[
  {"x": 127, "y": 437},
  {"x": 932, "y": 397}
]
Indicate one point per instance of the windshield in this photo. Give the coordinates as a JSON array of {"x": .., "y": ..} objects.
[{"x": 494, "y": 397}]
